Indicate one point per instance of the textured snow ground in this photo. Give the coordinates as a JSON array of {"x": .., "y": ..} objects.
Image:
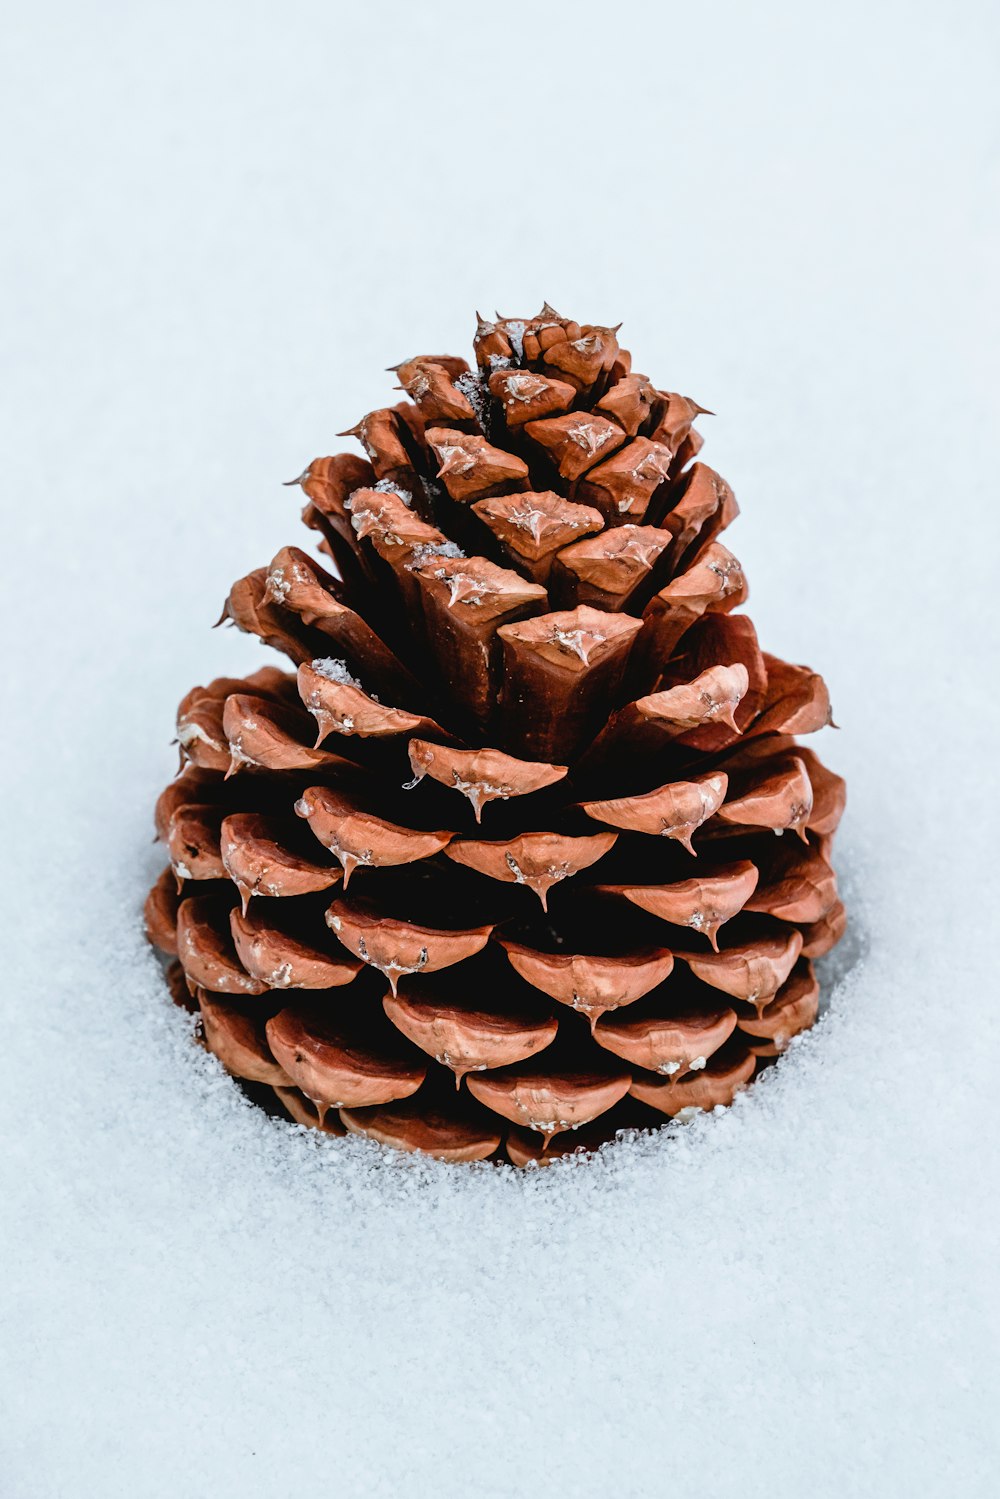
[{"x": 222, "y": 222}]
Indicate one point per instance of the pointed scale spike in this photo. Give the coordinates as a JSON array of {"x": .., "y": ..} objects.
[
  {"x": 673, "y": 417},
  {"x": 470, "y": 466},
  {"x": 452, "y": 364},
  {"x": 448, "y": 1136},
  {"x": 283, "y": 961},
  {"x": 380, "y": 433},
  {"x": 797, "y": 701},
  {"x": 355, "y": 836},
  {"x": 622, "y": 486},
  {"x": 781, "y": 801},
  {"x": 629, "y": 402},
  {"x": 270, "y": 737},
  {"x": 703, "y": 903},
  {"x": 250, "y": 611},
  {"x": 549, "y": 1101},
  {"x": 301, "y": 1110},
  {"x": 714, "y": 1086},
  {"x": 334, "y": 1068},
  {"x": 794, "y": 1009},
  {"x": 482, "y": 775},
  {"x": 676, "y": 810},
  {"x": 531, "y": 526},
  {"x": 328, "y": 482},
  {"x": 595, "y": 985},
  {"x": 340, "y": 705},
  {"x": 525, "y": 396},
  {"x": 258, "y": 859},
  {"x": 644, "y": 727},
  {"x": 751, "y": 971},
  {"x": 464, "y": 1038},
  {"x": 539, "y": 335},
  {"x": 576, "y": 441},
  {"x": 609, "y": 571},
  {"x": 397, "y": 947},
  {"x": 538, "y": 860},
  {"x": 491, "y": 344},
  {"x": 670, "y": 1044}
]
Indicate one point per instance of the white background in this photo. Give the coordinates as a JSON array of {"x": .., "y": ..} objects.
[{"x": 222, "y": 222}]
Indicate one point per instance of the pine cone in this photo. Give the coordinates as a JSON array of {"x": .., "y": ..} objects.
[{"x": 495, "y": 867}]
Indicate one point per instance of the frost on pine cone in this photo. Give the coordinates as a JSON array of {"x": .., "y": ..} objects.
[{"x": 493, "y": 870}]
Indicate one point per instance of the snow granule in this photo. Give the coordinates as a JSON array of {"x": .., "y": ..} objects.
[
  {"x": 334, "y": 671},
  {"x": 430, "y": 551},
  {"x": 386, "y": 486},
  {"x": 515, "y": 332},
  {"x": 475, "y": 391}
]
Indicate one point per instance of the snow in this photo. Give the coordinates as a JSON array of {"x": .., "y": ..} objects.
[
  {"x": 386, "y": 486},
  {"x": 335, "y": 671},
  {"x": 796, "y": 1297},
  {"x": 515, "y": 332}
]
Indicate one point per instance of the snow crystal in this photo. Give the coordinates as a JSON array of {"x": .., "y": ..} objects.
[
  {"x": 515, "y": 332},
  {"x": 794, "y": 1298},
  {"x": 189, "y": 730},
  {"x": 576, "y": 642},
  {"x": 428, "y": 551},
  {"x": 473, "y": 388},
  {"x": 334, "y": 671},
  {"x": 386, "y": 486},
  {"x": 454, "y": 459},
  {"x": 589, "y": 436},
  {"x": 524, "y": 387},
  {"x": 278, "y": 586}
]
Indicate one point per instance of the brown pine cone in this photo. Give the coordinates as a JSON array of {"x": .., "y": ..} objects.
[{"x": 497, "y": 862}]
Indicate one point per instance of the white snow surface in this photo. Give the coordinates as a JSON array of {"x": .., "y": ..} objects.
[{"x": 219, "y": 231}]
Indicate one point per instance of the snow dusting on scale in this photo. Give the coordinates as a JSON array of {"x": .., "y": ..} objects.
[{"x": 792, "y": 1300}]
